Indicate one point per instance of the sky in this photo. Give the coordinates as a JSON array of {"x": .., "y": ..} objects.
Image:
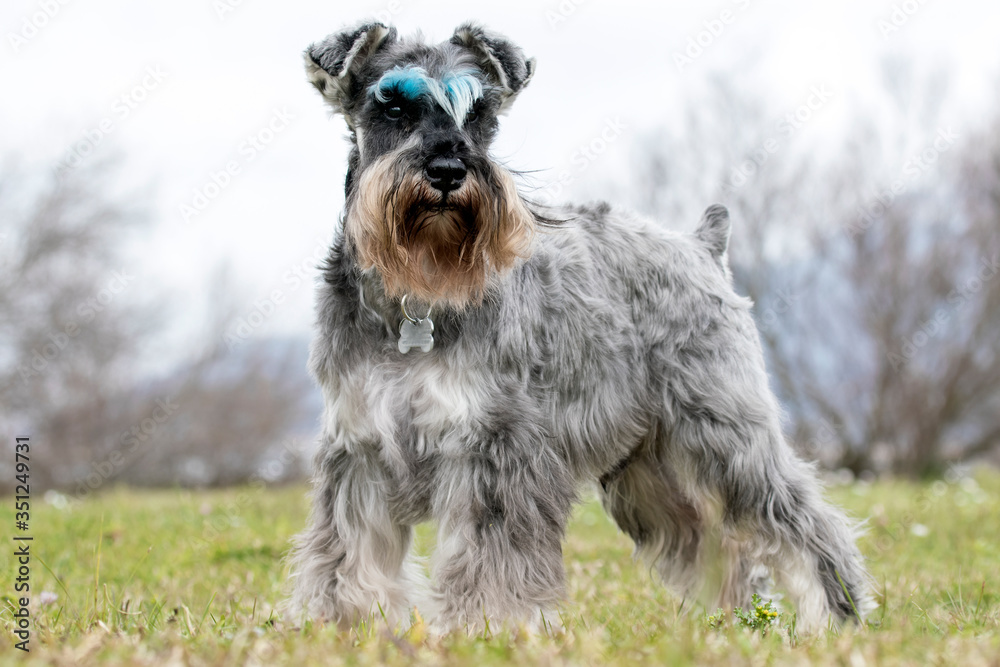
[{"x": 243, "y": 165}]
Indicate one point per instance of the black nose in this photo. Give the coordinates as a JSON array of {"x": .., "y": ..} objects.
[{"x": 446, "y": 173}]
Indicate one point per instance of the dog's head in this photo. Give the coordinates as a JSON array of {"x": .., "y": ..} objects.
[{"x": 426, "y": 205}]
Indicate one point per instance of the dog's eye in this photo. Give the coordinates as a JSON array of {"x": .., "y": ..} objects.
[
  {"x": 472, "y": 115},
  {"x": 394, "y": 112}
]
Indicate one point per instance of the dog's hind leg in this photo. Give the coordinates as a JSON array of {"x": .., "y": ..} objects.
[
  {"x": 772, "y": 514},
  {"x": 726, "y": 445},
  {"x": 351, "y": 562},
  {"x": 818, "y": 562}
]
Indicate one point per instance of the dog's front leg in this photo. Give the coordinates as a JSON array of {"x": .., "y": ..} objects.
[
  {"x": 350, "y": 564},
  {"x": 502, "y": 498}
]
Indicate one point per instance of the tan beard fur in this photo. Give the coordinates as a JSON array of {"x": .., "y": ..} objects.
[{"x": 449, "y": 254}]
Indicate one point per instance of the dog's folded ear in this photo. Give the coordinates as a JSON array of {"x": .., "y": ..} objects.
[
  {"x": 335, "y": 64},
  {"x": 502, "y": 60},
  {"x": 713, "y": 231}
]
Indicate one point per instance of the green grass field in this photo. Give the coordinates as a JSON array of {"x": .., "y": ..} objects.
[{"x": 183, "y": 577}]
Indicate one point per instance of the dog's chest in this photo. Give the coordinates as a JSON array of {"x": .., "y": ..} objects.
[{"x": 409, "y": 404}]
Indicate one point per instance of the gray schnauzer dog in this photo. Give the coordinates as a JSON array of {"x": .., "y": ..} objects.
[{"x": 481, "y": 358}]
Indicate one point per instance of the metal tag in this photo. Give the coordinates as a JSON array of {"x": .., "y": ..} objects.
[{"x": 418, "y": 334}]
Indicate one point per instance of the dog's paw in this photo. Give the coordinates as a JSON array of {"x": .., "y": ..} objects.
[{"x": 541, "y": 623}]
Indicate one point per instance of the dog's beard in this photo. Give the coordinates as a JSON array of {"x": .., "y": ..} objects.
[{"x": 433, "y": 247}]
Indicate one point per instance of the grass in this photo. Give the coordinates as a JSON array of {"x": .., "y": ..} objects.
[{"x": 183, "y": 577}]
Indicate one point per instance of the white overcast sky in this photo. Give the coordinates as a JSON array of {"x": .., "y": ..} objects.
[{"x": 224, "y": 77}]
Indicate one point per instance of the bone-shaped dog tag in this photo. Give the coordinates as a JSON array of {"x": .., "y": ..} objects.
[{"x": 416, "y": 334}]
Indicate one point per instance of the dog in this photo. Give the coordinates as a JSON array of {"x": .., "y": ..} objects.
[{"x": 482, "y": 358}]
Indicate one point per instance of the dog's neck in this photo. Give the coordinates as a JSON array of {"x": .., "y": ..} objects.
[
  {"x": 389, "y": 309},
  {"x": 365, "y": 286}
]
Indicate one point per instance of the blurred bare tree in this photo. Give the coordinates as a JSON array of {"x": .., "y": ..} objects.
[
  {"x": 76, "y": 325},
  {"x": 69, "y": 323},
  {"x": 220, "y": 419},
  {"x": 874, "y": 269}
]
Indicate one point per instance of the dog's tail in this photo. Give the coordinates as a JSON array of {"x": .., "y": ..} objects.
[{"x": 713, "y": 231}]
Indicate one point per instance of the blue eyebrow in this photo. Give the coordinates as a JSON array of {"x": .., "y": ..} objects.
[
  {"x": 456, "y": 92},
  {"x": 409, "y": 82}
]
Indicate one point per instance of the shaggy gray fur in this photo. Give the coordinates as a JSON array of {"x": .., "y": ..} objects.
[{"x": 617, "y": 353}]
